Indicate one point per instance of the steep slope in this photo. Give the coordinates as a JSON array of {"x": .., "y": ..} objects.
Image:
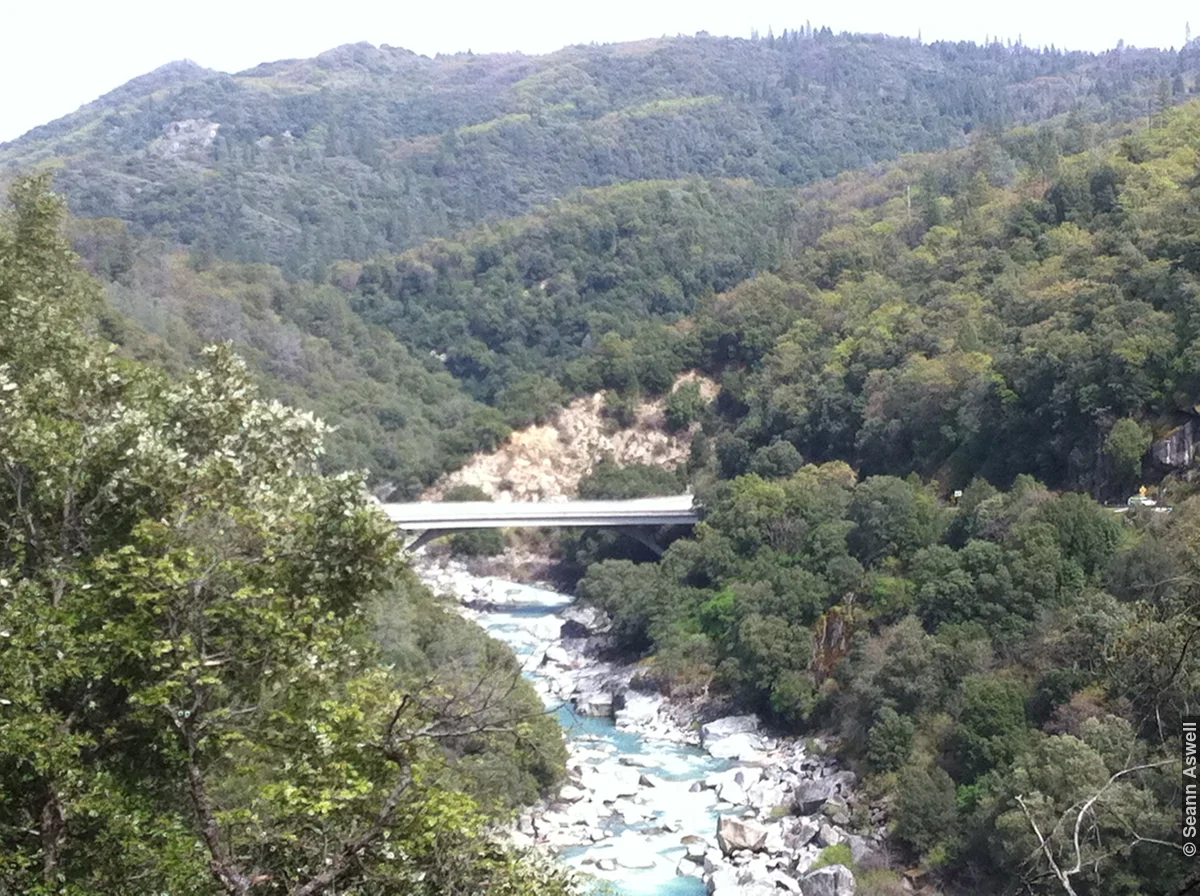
[
  {"x": 397, "y": 412},
  {"x": 985, "y": 312},
  {"x": 364, "y": 149}
]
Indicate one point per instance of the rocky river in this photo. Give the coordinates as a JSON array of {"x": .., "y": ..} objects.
[{"x": 654, "y": 806}]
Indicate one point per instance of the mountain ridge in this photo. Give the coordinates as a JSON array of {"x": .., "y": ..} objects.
[{"x": 363, "y": 149}]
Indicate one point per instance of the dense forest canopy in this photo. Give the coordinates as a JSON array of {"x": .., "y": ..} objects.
[
  {"x": 429, "y": 252},
  {"x": 1009, "y": 675},
  {"x": 365, "y": 149},
  {"x": 692, "y": 148},
  {"x": 216, "y": 676}
]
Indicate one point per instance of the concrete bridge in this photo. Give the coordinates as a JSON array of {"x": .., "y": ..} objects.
[{"x": 437, "y": 518}]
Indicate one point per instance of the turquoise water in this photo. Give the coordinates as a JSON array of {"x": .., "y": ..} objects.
[{"x": 526, "y": 625}]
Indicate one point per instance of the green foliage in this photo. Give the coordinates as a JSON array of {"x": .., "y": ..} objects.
[
  {"x": 1125, "y": 446},
  {"x": 1087, "y": 535},
  {"x": 367, "y": 149},
  {"x": 984, "y": 316},
  {"x": 534, "y": 398},
  {"x": 991, "y": 724},
  {"x": 607, "y": 480},
  {"x": 193, "y": 698},
  {"x": 892, "y": 518},
  {"x": 926, "y": 809},
  {"x": 942, "y": 632},
  {"x": 475, "y": 542},
  {"x": 838, "y": 854},
  {"x": 890, "y": 740},
  {"x": 684, "y": 406},
  {"x": 776, "y": 461}
]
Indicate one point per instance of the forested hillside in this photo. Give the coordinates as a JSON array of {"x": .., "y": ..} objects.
[
  {"x": 1010, "y": 669},
  {"x": 366, "y": 149},
  {"x": 431, "y": 251},
  {"x": 216, "y": 673},
  {"x": 1016, "y": 306}
]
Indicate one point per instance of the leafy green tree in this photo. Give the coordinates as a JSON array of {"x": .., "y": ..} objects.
[
  {"x": 991, "y": 724},
  {"x": 684, "y": 406},
  {"x": 191, "y": 694},
  {"x": 608, "y": 480},
  {"x": 776, "y": 461},
  {"x": 890, "y": 741},
  {"x": 1088, "y": 535},
  {"x": 733, "y": 455},
  {"x": 632, "y": 594},
  {"x": 1125, "y": 446},
  {"x": 926, "y": 809},
  {"x": 893, "y": 518},
  {"x": 1074, "y": 820},
  {"x": 476, "y": 542},
  {"x": 534, "y": 398}
]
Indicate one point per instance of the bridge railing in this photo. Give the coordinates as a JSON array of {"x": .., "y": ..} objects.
[{"x": 668, "y": 511}]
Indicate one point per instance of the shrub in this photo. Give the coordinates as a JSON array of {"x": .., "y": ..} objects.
[
  {"x": 684, "y": 406},
  {"x": 838, "y": 854}
]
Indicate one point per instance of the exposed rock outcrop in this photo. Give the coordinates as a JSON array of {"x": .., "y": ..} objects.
[
  {"x": 1176, "y": 451},
  {"x": 832, "y": 880},
  {"x": 735, "y": 833},
  {"x": 189, "y": 137},
  {"x": 545, "y": 462}
]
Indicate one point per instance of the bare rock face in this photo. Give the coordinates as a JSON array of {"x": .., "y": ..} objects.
[
  {"x": 736, "y": 833},
  {"x": 547, "y": 462},
  {"x": 727, "y": 727},
  {"x": 1177, "y": 449},
  {"x": 832, "y": 880},
  {"x": 189, "y": 137}
]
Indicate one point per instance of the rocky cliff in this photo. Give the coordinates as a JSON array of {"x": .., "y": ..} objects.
[
  {"x": 545, "y": 462},
  {"x": 1176, "y": 451}
]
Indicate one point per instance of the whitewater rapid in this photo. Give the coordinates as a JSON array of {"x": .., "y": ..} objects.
[{"x": 651, "y": 784}]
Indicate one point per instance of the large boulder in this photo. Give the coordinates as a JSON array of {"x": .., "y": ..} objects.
[
  {"x": 743, "y": 777},
  {"x": 731, "y": 792},
  {"x": 765, "y": 795},
  {"x": 802, "y": 832},
  {"x": 738, "y": 833},
  {"x": 719, "y": 729},
  {"x": 583, "y": 622},
  {"x": 721, "y": 880},
  {"x": 785, "y": 882},
  {"x": 571, "y": 794},
  {"x": 810, "y": 796},
  {"x": 748, "y": 880},
  {"x": 640, "y": 710},
  {"x": 612, "y": 783},
  {"x": 594, "y": 702},
  {"x": 828, "y": 835},
  {"x": 558, "y": 655},
  {"x": 861, "y": 848},
  {"x": 740, "y": 747},
  {"x": 757, "y": 888},
  {"x": 832, "y": 880}
]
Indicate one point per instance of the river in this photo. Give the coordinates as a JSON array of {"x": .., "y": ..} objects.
[{"x": 641, "y": 845}]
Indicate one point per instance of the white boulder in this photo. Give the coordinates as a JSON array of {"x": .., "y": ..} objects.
[{"x": 832, "y": 880}]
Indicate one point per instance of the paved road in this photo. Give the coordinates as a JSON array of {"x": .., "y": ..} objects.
[{"x": 431, "y": 516}]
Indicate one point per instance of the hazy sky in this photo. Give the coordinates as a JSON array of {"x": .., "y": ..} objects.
[{"x": 54, "y": 57}]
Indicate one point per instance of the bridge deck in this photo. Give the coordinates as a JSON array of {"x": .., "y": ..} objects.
[{"x": 674, "y": 510}]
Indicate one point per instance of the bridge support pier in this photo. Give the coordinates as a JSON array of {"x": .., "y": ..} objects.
[
  {"x": 427, "y": 536},
  {"x": 644, "y": 535}
]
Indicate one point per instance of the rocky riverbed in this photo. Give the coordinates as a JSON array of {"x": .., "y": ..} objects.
[{"x": 656, "y": 804}]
